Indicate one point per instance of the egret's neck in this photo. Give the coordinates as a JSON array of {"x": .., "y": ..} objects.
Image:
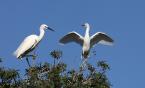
[
  {"x": 87, "y": 31},
  {"x": 42, "y": 32}
]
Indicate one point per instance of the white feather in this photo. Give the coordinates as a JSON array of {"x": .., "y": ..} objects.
[
  {"x": 105, "y": 43},
  {"x": 28, "y": 43}
]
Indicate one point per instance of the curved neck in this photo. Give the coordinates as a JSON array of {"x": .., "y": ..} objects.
[{"x": 42, "y": 32}]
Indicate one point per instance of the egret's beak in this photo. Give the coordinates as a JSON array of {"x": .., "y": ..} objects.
[
  {"x": 50, "y": 29},
  {"x": 83, "y": 25}
]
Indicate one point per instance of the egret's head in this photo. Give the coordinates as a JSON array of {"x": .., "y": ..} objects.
[
  {"x": 45, "y": 27},
  {"x": 86, "y": 25}
]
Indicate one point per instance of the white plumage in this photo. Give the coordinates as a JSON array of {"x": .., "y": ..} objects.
[
  {"x": 30, "y": 43},
  {"x": 86, "y": 42}
]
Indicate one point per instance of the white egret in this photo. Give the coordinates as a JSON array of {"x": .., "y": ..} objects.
[
  {"x": 30, "y": 43},
  {"x": 87, "y": 42}
]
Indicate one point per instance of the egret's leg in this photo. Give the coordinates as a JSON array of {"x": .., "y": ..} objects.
[
  {"x": 34, "y": 57},
  {"x": 34, "y": 54},
  {"x": 84, "y": 63},
  {"x": 85, "y": 56},
  {"x": 28, "y": 61}
]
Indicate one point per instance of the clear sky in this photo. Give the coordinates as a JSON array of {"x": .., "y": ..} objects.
[{"x": 123, "y": 20}]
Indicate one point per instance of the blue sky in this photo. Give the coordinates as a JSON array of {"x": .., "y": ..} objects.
[{"x": 123, "y": 20}]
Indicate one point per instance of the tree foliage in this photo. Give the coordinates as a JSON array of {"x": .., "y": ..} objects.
[{"x": 55, "y": 75}]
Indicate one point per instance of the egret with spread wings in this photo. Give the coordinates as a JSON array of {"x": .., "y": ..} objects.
[{"x": 87, "y": 42}]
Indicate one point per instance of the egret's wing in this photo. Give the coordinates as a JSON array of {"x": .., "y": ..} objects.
[
  {"x": 72, "y": 37},
  {"x": 102, "y": 38},
  {"x": 27, "y": 44}
]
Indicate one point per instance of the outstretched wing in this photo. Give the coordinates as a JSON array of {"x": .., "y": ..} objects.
[
  {"x": 72, "y": 37},
  {"x": 28, "y": 43},
  {"x": 102, "y": 38}
]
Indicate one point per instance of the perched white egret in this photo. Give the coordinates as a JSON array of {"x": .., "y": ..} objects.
[
  {"x": 87, "y": 42},
  {"x": 30, "y": 42}
]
